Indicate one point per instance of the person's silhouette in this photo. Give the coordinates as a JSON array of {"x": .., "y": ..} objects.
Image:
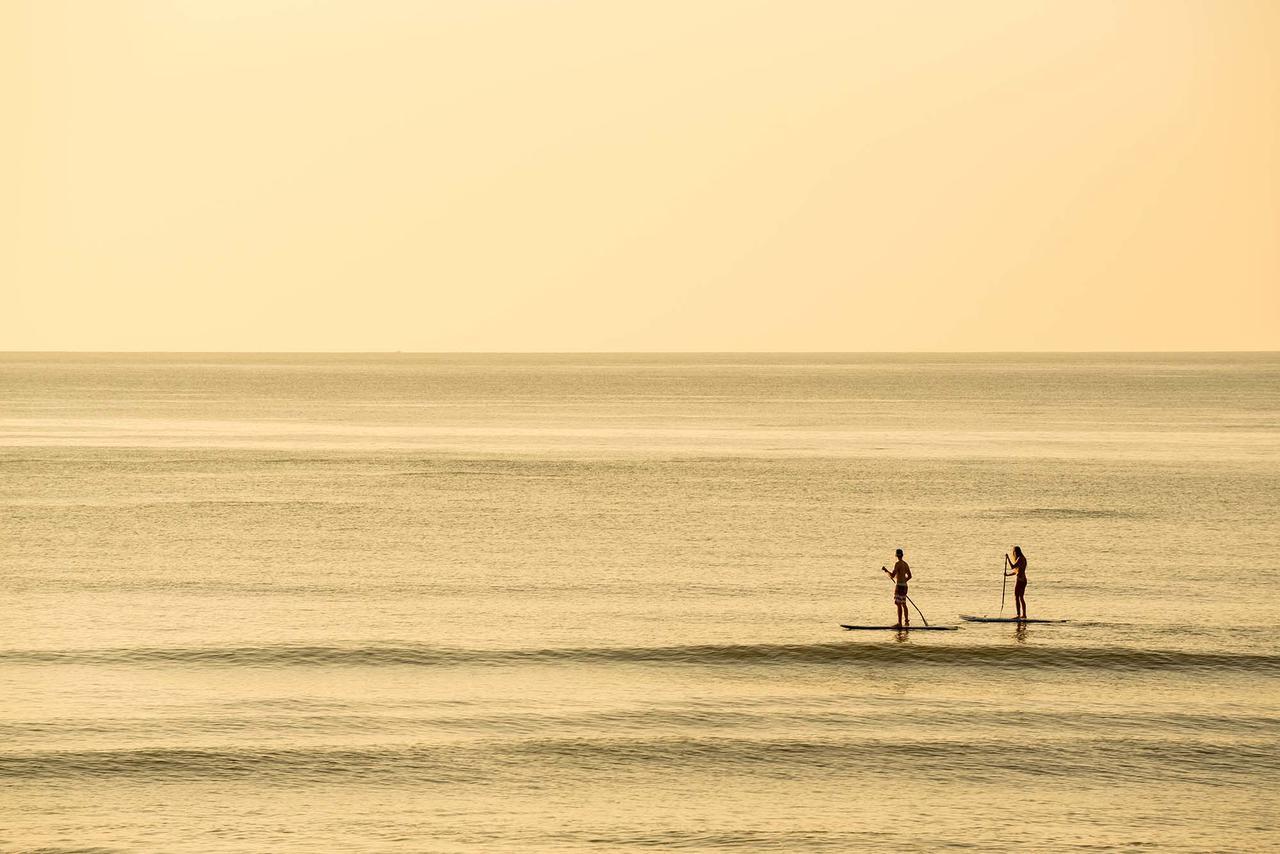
[
  {"x": 901, "y": 574},
  {"x": 1019, "y": 567}
]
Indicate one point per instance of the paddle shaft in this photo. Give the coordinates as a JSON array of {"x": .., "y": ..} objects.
[
  {"x": 914, "y": 605},
  {"x": 1004, "y": 584},
  {"x": 909, "y": 599}
]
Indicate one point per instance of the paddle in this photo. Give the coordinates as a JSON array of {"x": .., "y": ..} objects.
[
  {"x": 1004, "y": 584},
  {"x": 913, "y": 605},
  {"x": 886, "y": 571}
]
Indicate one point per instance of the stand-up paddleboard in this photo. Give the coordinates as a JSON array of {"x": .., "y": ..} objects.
[
  {"x": 900, "y": 628},
  {"x": 973, "y": 619}
]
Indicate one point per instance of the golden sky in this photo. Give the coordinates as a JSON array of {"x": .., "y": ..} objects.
[{"x": 651, "y": 175}]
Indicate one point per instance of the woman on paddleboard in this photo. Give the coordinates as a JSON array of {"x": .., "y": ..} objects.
[
  {"x": 1019, "y": 567},
  {"x": 901, "y": 575}
]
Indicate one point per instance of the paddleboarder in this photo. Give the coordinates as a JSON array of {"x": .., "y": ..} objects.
[
  {"x": 901, "y": 574},
  {"x": 1018, "y": 565}
]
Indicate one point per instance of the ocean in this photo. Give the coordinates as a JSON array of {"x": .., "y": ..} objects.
[{"x": 593, "y": 602}]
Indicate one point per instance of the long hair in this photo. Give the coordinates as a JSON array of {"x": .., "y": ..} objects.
[{"x": 1017, "y": 550}]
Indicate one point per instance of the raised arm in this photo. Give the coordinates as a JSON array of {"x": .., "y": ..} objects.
[{"x": 1016, "y": 567}]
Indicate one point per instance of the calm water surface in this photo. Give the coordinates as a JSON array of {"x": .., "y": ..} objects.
[{"x": 578, "y": 603}]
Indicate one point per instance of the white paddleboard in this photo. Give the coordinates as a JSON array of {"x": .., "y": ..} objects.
[{"x": 973, "y": 619}]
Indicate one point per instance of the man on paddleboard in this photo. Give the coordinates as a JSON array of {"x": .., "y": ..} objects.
[{"x": 901, "y": 574}]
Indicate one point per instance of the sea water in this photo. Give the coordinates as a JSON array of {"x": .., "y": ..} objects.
[{"x": 592, "y": 602}]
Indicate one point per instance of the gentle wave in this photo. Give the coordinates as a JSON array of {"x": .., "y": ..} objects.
[
  {"x": 814, "y": 719},
  {"x": 1107, "y": 759},
  {"x": 1060, "y": 513},
  {"x": 1017, "y": 657}
]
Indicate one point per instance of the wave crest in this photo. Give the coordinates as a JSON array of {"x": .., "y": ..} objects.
[{"x": 832, "y": 653}]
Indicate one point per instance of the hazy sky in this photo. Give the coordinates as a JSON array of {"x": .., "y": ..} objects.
[{"x": 607, "y": 175}]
